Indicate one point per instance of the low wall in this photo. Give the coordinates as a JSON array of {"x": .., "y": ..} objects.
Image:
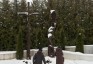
[
  {"x": 88, "y": 49},
  {"x": 7, "y": 55},
  {"x": 67, "y": 55},
  {"x": 77, "y": 56},
  {"x": 70, "y": 48},
  {"x": 4, "y": 55}
]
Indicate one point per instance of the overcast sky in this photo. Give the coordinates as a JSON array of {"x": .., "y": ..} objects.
[{"x": 19, "y": 0}]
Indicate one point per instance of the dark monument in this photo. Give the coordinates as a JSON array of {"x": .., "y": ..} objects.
[
  {"x": 51, "y": 52},
  {"x": 59, "y": 56}
]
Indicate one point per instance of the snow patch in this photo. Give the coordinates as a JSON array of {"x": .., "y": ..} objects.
[
  {"x": 51, "y": 11},
  {"x": 53, "y": 61},
  {"x": 49, "y": 35},
  {"x": 50, "y": 29}
]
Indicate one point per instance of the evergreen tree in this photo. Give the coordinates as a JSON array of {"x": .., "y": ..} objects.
[
  {"x": 80, "y": 40},
  {"x": 7, "y": 26},
  {"x": 23, "y": 6},
  {"x": 72, "y": 15},
  {"x": 79, "y": 44},
  {"x": 19, "y": 46}
]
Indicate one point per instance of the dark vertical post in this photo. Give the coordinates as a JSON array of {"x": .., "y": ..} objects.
[
  {"x": 15, "y": 2},
  {"x": 28, "y": 35}
]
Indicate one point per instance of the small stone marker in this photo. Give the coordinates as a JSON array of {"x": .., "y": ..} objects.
[
  {"x": 59, "y": 56},
  {"x": 51, "y": 52}
]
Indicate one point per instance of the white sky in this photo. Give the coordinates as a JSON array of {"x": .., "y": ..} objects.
[
  {"x": 29, "y": 0},
  {"x": 19, "y": 0}
]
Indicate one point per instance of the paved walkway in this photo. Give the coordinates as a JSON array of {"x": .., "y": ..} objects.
[{"x": 47, "y": 58}]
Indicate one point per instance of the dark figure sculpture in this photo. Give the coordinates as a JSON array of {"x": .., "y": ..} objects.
[
  {"x": 51, "y": 29},
  {"x": 59, "y": 56},
  {"x": 39, "y": 57}
]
